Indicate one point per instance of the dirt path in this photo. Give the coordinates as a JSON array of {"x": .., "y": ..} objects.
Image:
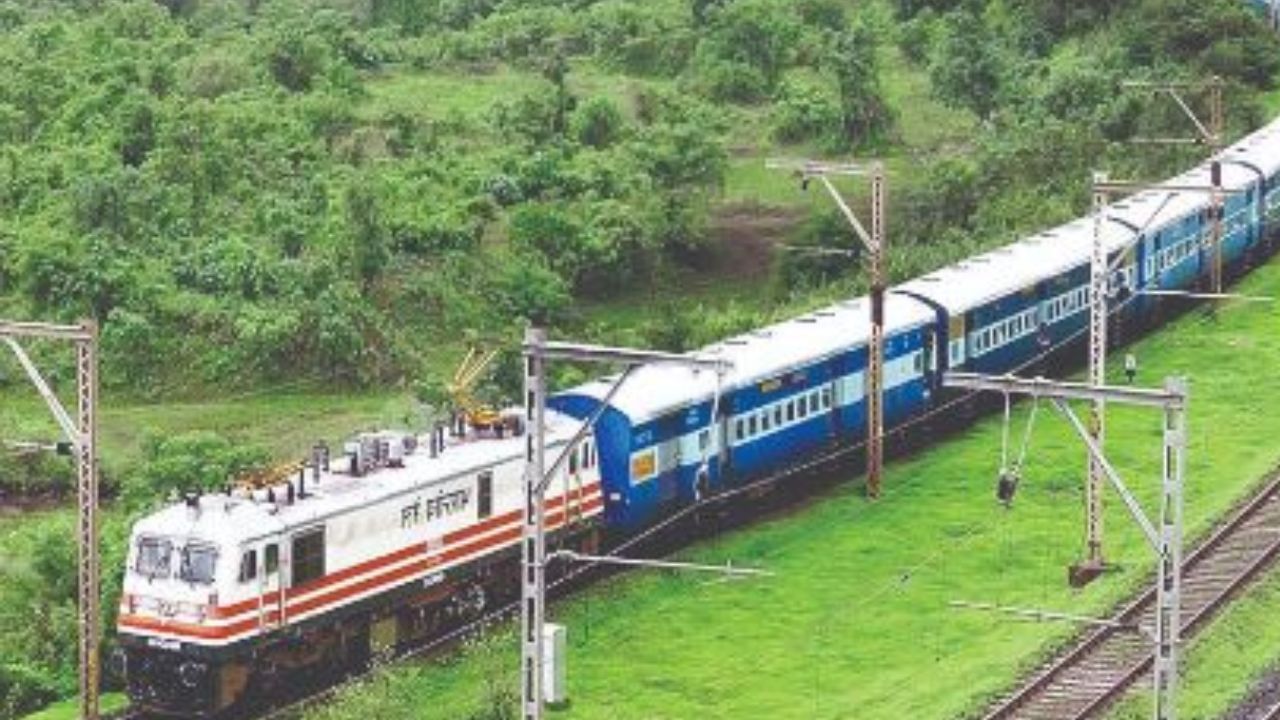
[{"x": 745, "y": 235}]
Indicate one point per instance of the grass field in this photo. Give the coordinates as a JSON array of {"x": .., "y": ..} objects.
[
  {"x": 856, "y": 620},
  {"x": 286, "y": 421}
]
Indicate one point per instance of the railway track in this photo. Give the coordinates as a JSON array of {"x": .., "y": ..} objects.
[{"x": 1107, "y": 661}]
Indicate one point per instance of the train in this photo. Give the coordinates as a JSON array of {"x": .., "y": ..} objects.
[
  {"x": 1272, "y": 10},
  {"x": 400, "y": 536}
]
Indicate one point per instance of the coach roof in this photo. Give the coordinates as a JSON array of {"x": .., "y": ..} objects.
[{"x": 654, "y": 390}]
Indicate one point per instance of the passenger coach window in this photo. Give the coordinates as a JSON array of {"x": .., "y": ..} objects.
[
  {"x": 153, "y": 557},
  {"x": 308, "y": 556},
  {"x": 198, "y": 563},
  {"x": 484, "y": 496},
  {"x": 271, "y": 559},
  {"x": 249, "y": 565}
]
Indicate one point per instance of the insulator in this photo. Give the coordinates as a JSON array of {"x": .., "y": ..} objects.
[{"x": 1006, "y": 488}]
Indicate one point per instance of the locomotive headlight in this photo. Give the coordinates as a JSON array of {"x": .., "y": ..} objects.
[
  {"x": 192, "y": 673},
  {"x": 119, "y": 663}
]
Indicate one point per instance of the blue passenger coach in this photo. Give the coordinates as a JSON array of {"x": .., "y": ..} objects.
[{"x": 795, "y": 387}]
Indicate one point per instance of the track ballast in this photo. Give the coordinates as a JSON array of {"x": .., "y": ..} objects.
[{"x": 1094, "y": 672}]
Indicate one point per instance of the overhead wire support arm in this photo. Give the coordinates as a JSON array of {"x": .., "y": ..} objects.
[
  {"x": 1130, "y": 502},
  {"x": 537, "y": 350},
  {"x": 1048, "y": 615},
  {"x": 81, "y": 433},
  {"x": 1165, "y": 533},
  {"x": 59, "y": 412},
  {"x": 1044, "y": 388},
  {"x": 729, "y": 570},
  {"x": 585, "y": 428},
  {"x": 874, "y": 239},
  {"x": 1211, "y": 134}
]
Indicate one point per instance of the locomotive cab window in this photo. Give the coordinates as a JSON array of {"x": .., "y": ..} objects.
[
  {"x": 271, "y": 559},
  {"x": 199, "y": 562},
  {"x": 308, "y": 556},
  {"x": 153, "y": 558},
  {"x": 484, "y": 495},
  {"x": 249, "y": 566}
]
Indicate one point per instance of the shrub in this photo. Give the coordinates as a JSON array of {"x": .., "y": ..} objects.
[
  {"x": 597, "y": 122},
  {"x": 804, "y": 111},
  {"x": 193, "y": 461}
]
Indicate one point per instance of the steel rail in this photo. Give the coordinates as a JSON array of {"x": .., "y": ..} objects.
[{"x": 1085, "y": 650}]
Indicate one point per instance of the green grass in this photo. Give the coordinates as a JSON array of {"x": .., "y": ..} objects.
[
  {"x": 286, "y": 421},
  {"x": 926, "y": 129},
  {"x": 70, "y": 709},
  {"x": 438, "y": 95},
  {"x": 855, "y": 620},
  {"x": 1224, "y": 660}
]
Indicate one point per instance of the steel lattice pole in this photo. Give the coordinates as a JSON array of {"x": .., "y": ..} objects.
[
  {"x": 533, "y": 551},
  {"x": 875, "y": 350},
  {"x": 1097, "y": 378},
  {"x": 1217, "y": 121},
  {"x": 87, "y": 481},
  {"x": 1169, "y": 574}
]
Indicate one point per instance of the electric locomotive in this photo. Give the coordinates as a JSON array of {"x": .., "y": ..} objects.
[{"x": 394, "y": 540}]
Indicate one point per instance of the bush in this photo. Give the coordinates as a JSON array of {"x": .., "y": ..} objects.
[
  {"x": 597, "y": 122},
  {"x": 36, "y": 474},
  {"x": 24, "y": 689},
  {"x": 729, "y": 81},
  {"x": 194, "y": 461},
  {"x": 804, "y": 111}
]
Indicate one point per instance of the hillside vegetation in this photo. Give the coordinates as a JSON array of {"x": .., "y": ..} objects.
[
  {"x": 256, "y": 196},
  {"x": 244, "y": 191}
]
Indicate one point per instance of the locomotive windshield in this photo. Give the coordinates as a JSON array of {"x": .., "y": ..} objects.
[
  {"x": 153, "y": 557},
  {"x": 198, "y": 563}
]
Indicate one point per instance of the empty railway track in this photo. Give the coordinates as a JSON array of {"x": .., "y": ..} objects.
[{"x": 1094, "y": 672}]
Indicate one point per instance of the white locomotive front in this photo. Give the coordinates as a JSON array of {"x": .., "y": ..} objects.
[{"x": 391, "y": 542}]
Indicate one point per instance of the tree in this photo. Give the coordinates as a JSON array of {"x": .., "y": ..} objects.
[
  {"x": 597, "y": 122},
  {"x": 864, "y": 112},
  {"x": 194, "y": 461},
  {"x": 367, "y": 235},
  {"x": 760, "y": 34},
  {"x": 966, "y": 66}
]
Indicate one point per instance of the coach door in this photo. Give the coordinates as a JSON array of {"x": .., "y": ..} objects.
[
  {"x": 929, "y": 361},
  {"x": 271, "y": 596}
]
